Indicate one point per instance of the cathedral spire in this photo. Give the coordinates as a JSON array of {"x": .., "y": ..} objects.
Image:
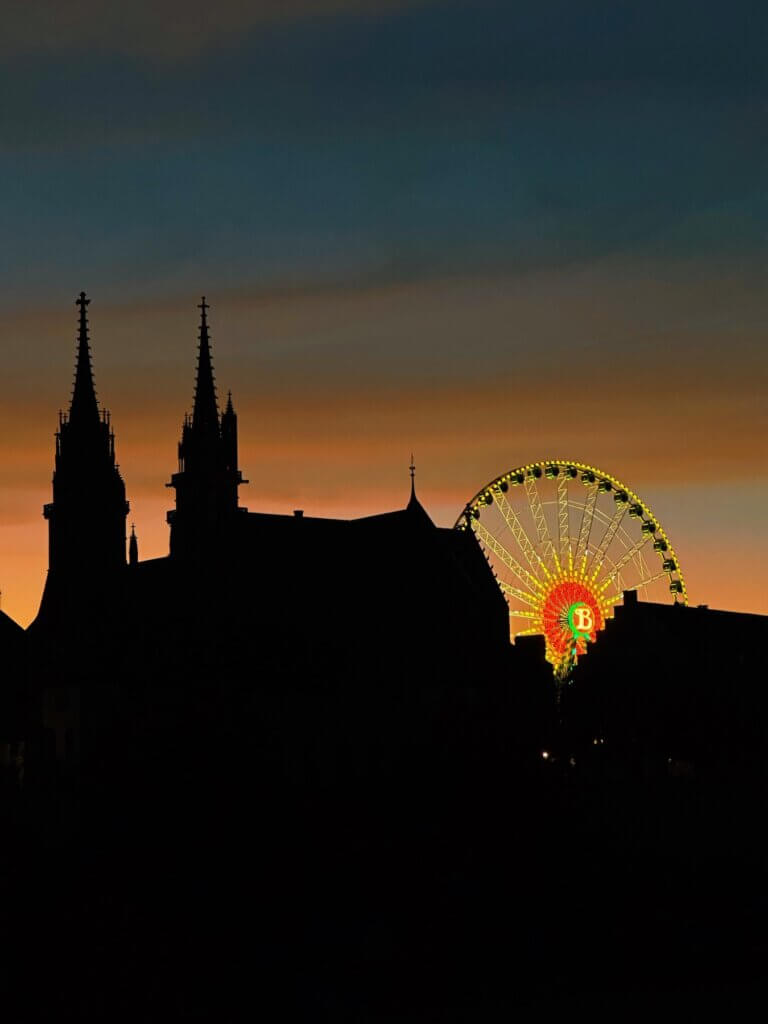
[
  {"x": 86, "y": 519},
  {"x": 208, "y": 478},
  {"x": 205, "y": 415},
  {"x": 84, "y": 407}
]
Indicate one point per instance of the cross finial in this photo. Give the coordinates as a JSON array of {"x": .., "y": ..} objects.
[
  {"x": 83, "y": 303},
  {"x": 203, "y": 307},
  {"x": 412, "y": 467}
]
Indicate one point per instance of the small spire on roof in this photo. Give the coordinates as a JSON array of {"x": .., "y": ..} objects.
[
  {"x": 412, "y": 471},
  {"x": 414, "y": 506}
]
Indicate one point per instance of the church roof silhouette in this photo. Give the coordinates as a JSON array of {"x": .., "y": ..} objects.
[{"x": 288, "y": 581}]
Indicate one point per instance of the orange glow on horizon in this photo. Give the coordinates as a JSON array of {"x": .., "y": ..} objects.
[{"x": 334, "y": 388}]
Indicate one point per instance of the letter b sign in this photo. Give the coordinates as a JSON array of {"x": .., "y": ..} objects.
[{"x": 581, "y": 619}]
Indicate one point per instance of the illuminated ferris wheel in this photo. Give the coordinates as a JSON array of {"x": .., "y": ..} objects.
[{"x": 565, "y": 541}]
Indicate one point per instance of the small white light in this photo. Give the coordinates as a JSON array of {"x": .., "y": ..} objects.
[{"x": 545, "y": 754}]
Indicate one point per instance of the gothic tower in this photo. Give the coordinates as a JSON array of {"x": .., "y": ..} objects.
[
  {"x": 208, "y": 478},
  {"x": 86, "y": 519}
]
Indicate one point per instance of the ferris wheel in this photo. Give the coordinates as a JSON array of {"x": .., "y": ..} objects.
[{"x": 565, "y": 541}]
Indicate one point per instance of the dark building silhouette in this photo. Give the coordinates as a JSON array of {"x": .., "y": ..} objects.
[
  {"x": 325, "y": 649},
  {"x": 671, "y": 706},
  {"x": 676, "y": 683},
  {"x": 297, "y": 768},
  {"x": 14, "y": 726}
]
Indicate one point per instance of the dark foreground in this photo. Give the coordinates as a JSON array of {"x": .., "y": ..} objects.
[{"x": 557, "y": 890}]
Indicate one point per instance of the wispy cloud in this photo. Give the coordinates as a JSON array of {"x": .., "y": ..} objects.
[{"x": 162, "y": 28}]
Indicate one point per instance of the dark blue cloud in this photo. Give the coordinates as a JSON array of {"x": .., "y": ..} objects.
[{"x": 450, "y": 137}]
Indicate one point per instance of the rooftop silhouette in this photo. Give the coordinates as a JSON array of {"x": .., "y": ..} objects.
[{"x": 296, "y": 764}]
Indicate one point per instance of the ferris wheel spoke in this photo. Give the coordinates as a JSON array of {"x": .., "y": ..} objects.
[
  {"x": 518, "y": 532},
  {"x": 599, "y": 555},
  {"x": 494, "y": 545},
  {"x": 642, "y": 566},
  {"x": 521, "y": 595},
  {"x": 615, "y": 598},
  {"x": 566, "y": 555},
  {"x": 626, "y": 557},
  {"x": 585, "y": 529},
  {"x": 542, "y": 530},
  {"x": 651, "y": 579}
]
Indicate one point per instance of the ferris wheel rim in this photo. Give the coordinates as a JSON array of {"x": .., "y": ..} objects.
[{"x": 479, "y": 501}]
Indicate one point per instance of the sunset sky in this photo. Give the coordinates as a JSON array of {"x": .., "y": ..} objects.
[{"x": 487, "y": 233}]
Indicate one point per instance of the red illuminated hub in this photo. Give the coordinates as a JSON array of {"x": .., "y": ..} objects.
[{"x": 572, "y": 617}]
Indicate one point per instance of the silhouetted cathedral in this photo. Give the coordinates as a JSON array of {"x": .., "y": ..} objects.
[
  {"x": 377, "y": 622},
  {"x": 296, "y": 766}
]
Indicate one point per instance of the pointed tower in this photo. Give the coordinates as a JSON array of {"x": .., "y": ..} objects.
[
  {"x": 229, "y": 436},
  {"x": 86, "y": 519},
  {"x": 208, "y": 478},
  {"x": 133, "y": 547}
]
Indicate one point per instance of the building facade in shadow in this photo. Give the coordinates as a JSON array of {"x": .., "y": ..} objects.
[
  {"x": 267, "y": 650},
  {"x": 296, "y": 767}
]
